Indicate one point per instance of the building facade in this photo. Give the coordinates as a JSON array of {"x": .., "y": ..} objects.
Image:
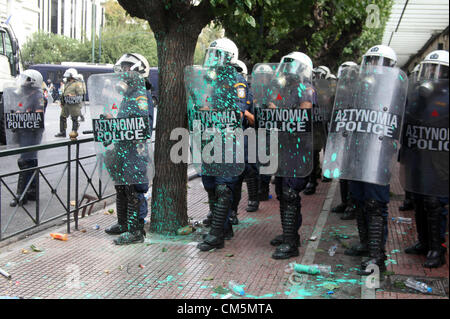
[{"x": 78, "y": 19}]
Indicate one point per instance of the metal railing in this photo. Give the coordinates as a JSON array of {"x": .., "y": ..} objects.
[{"x": 38, "y": 173}]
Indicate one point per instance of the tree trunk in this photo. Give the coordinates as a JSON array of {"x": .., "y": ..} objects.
[{"x": 169, "y": 193}]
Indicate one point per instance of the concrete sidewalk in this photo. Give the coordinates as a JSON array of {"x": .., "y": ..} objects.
[{"x": 90, "y": 266}]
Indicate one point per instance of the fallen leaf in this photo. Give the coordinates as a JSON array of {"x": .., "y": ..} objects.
[
  {"x": 106, "y": 271},
  {"x": 111, "y": 211},
  {"x": 24, "y": 251},
  {"x": 141, "y": 266},
  {"x": 35, "y": 249},
  {"x": 330, "y": 285},
  {"x": 221, "y": 290},
  {"x": 164, "y": 250},
  {"x": 83, "y": 230},
  {"x": 209, "y": 278},
  {"x": 229, "y": 255},
  {"x": 72, "y": 203},
  {"x": 120, "y": 267}
]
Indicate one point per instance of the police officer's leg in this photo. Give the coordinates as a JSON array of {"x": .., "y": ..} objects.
[
  {"x": 350, "y": 209},
  {"x": 237, "y": 193},
  {"x": 343, "y": 185},
  {"x": 408, "y": 203},
  {"x": 312, "y": 180},
  {"x": 224, "y": 193},
  {"x": 264, "y": 187},
  {"x": 75, "y": 126},
  {"x": 278, "y": 240},
  {"x": 32, "y": 190},
  {"x": 63, "y": 121},
  {"x": 356, "y": 191},
  {"x": 290, "y": 220},
  {"x": 251, "y": 177},
  {"x": 135, "y": 230},
  {"x": 21, "y": 183},
  {"x": 436, "y": 253},
  {"x": 376, "y": 200},
  {"x": 122, "y": 212},
  {"x": 421, "y": 247},
  {"x": 210, "y": 187}
]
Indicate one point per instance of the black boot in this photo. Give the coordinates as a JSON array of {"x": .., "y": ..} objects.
[
  {"x": 252, "y": 187},
  {"x": 122, "y": 212},
  {"x": 376, "y": 234},
  {"x": 22, "y": 182},
  {"x": 343, "y": 187},
  {"x": 211, "y": 200},
  {"x": 360, "y": 249},
  {"x": 289, "y": 247},
  {"x": 278, "y": 240},
  {"x": 339, "y": 209},
  {"x": 408, "y": 203},
  {"x": 436, "y": 254},
  {"x": 62, "y": 127},
  {"x": 228, "y": 231},
  {"x": 350, "y": 211},
  {"x": 220, "y": 213},
  {"x": 421, "y": 247},
  {"x": 233, "y": 218},
  {"x": 310, "y": 188},
  {"x": 135, "y": 233},
  {"x": 263, "y": 190}
]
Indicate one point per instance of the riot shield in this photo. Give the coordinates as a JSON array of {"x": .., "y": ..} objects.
[
  {"x": 322, "y": 111},
  {"x": 214, "y": 121},
  {"x": 278, "y": 109},
  {"x": 23, "y": 116},
  {"x": 363, "y": 140},
  {"x": 120, "y": 123},
  {"x": 424, "y": 152}
]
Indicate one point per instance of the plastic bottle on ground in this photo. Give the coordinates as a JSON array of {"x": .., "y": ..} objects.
[
  {"x": 332, "y": 250},
  {"x": 417, "y": 285},
  {"x": 236, "y": 288},
  {"x": 313, "y": 269},
  {"x": 402, "y": 220}
]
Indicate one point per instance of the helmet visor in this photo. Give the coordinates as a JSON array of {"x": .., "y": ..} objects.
[
  {"x": 216, "y": 57},
  {"x": 377, "y": 60},
  {"x": 290, "y": 66},
  {"x": 127, "y": 63},
  {"x": 433, "y": 71}
]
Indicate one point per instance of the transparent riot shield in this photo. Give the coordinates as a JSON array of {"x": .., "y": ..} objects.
[
  {"x": 23, "y": 116},
  {"x": 279, "y": 108},
  {"x": 363, "y": 140},
  {"x": 120, "y": 123},
  {"x": 424, "y": 152},
  {"x": 217, "y": 143}
]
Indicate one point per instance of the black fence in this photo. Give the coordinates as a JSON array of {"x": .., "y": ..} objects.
[{"x": 74, "y": 171}]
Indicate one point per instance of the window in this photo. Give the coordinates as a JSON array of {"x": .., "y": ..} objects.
[
  {"x": 2, "y": 46},
  {"x": 54, "y": 13}
]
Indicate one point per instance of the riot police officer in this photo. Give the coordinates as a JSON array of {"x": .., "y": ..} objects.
[
  {"x": 371, "y": 198},
  {"x": 71, "y": 103},
  {"x": 424, "y": 164},
  {"x": 343, "y": 184},
  {"x": 228, "y": 95},
  {"x": 129, "y": 162},
  {"x": 26, "y": 98},
  {"x": 320, "y": 73},
  {"x": 293, "y": 82}
]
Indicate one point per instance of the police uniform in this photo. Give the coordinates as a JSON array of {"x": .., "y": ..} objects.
[
  {"x": 221, "y": 189},
  {"x": 250, "y": 173},
  {"x": 288, "y": 193},
  {"x": 71, "y": 104},
  {"x": 32, "y": 101},
  {"x": 131, "y": 196}
]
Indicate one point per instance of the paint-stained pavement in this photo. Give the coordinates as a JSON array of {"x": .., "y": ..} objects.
[{"x": 88, "y": 265}]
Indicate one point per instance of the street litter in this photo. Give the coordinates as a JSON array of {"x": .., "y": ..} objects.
[
  {"x": 4, "y": 273},
  {"x": 35, "y": 249},
  {"x": 59, "y": 236}
]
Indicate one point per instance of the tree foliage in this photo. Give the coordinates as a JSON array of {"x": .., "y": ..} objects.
[{"x": 329, "y": 31}]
